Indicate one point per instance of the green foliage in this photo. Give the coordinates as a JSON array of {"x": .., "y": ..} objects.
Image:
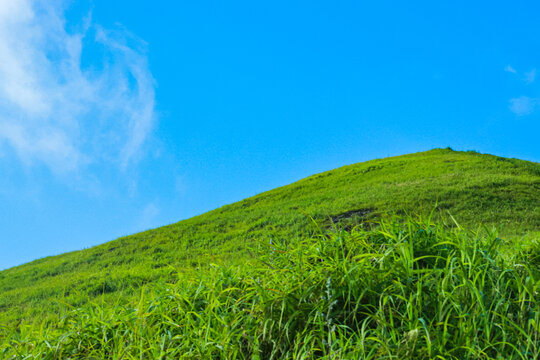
[
  {"x": 398, "y": 289},
  {"x": 474, "y": 188}
]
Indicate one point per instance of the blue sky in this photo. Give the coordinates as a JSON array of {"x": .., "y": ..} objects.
[{"x": 119, "y": 116}]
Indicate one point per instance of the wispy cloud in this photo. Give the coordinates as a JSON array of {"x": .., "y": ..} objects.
[
  {"x": 148, "y": 217},
  {"x": 510, "y": 69},
  {"x": 56, "y": 111},
  {"x": 530, "y": 76},
  {"x": 180, "y": 185},
  {"x": 523, "y": 105}
]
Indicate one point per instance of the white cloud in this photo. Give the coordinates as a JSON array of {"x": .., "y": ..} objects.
[
  {"x": 530, "y": 76},
  {"x": 180, "y": 185},
  {"x": 149, "y": 216},
  {"x": 510, "y": 69},
  {"x": 523, "y": 105},
  {"x": 54, "y": 110}
]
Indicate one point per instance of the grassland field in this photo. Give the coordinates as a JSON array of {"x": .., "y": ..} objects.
[{"x": 426, "y": 255}]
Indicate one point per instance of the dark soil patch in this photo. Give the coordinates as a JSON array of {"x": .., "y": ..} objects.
[{"x": 352, "y": 214}]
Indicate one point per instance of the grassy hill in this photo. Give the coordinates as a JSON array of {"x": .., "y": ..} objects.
[{"x": 474, "y": 188}]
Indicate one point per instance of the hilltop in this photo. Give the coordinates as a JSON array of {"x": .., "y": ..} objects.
[{"x": 474, "y": 188}]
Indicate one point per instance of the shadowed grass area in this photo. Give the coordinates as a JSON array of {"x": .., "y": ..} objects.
[
  {"x": 474, "y": 188},
  {"x": 397, "y": 289}
]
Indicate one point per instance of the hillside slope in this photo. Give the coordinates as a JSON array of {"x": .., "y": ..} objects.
[{"x": 474, "y": 188}]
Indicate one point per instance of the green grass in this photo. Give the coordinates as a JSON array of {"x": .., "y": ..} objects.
[
  {"x": 397, "y": 289},
  {"x": 474, "y": 188}
]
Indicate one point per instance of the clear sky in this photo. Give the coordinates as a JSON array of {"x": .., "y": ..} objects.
[{"x": 119, "y": 116}]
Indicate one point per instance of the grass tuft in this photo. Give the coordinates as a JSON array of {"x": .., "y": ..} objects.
[{"x": 403, "y": 288}]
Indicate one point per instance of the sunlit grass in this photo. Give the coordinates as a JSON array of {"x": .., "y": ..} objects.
[
  {"x": 475, "y": 188},
  {"x": 401, "y": 288}
]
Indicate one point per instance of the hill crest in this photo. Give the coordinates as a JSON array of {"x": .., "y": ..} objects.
[{"x": 475, "y": 188}]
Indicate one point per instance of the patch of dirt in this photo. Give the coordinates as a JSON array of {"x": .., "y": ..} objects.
[{"x": 351, "y": 215}]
